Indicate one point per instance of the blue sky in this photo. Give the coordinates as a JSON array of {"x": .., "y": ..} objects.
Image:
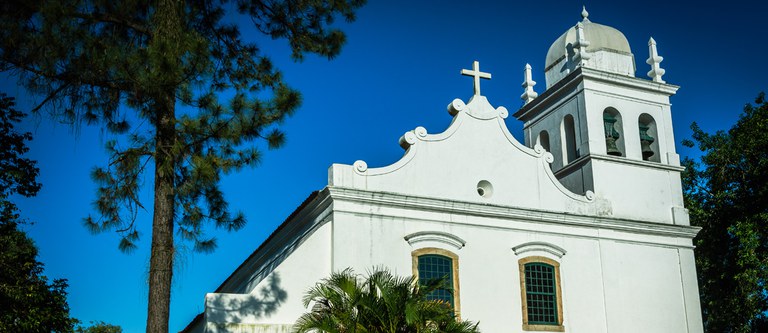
[{"x": 399, "y": 70}]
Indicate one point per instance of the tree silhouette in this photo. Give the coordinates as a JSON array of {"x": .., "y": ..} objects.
[
  {"x": 29, "y": 302},
  {"x": 726, "y": 192},
  {"x": 152, "y": 73}
]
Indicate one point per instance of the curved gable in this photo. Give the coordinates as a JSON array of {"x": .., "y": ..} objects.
[{"x": 475, "y": 159}]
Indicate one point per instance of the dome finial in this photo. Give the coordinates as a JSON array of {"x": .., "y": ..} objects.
[
  {"x": 580, "y": 46},
  {"x": 584, "y": 13}
]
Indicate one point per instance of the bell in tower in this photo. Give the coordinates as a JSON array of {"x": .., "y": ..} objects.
[
  {"x": 611, "y": 135},
  {"x": 645, "y": 142}
]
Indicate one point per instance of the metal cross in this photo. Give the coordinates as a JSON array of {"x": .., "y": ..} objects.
[{"x": 477, "y": 74}]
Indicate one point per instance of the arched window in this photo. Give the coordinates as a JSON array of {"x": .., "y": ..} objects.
[
  {"x": 541, "y": 294},
  {"x": 612, "y": 125},
  {"x": 434, "y": 263},
  {"x": 543, "y": 140},
  {"x": 649, "y": 143},
  {"x": 568, "y": 130}
]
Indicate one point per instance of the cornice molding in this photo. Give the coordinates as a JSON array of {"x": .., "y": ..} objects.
[
  {"x": 583, "y": 73},
  {"x": 410, "y": 202},
  {"x": 579, "y": 162},
  {"x": 630, "y": 81}
]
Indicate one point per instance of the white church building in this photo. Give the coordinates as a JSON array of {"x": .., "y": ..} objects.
[{"x": 579, "y": 229}]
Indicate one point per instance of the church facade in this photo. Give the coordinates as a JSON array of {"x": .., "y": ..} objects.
[{"x": 581, "y": 228}]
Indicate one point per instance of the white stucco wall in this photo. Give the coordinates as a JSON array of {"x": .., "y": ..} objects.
[
  {"x": 612, "y": 280},
  {"x": 621, "y": 270},
  {"x": 277, "y": 297}
]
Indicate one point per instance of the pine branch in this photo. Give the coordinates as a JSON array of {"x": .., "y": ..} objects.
[
  {"x": 111, "y": 19},
  {"x": 52, "y": 95}
]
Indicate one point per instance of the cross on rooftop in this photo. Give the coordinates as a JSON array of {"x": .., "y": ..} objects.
[{"x": 477, "y": 74}]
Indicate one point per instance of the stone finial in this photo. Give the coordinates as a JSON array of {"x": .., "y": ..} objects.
[
  {"x": 584, "y": 13},
  {"x": 580, "y": 47},
  {"x": 529, "y": 94},
  {"x": 654, "y": 60},
  {"x": 477, "y": 74}
]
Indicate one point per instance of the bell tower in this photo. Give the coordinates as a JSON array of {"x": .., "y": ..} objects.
[{"x": 609, "y": 131}]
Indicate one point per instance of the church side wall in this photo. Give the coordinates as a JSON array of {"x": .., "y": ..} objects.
[
  {"x": 612, "y": 281},
  {"x": 643, "y": 288},
  {"x": 690, "y": 290},
  {"x": 276, "y": 301},
  {"x": 365, "y": 241}
]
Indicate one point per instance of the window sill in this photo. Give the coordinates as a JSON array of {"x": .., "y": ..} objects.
[{"x": 546, "y": 328}]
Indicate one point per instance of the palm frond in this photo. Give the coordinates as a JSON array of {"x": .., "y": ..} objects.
[{"x": 380, "y": 302}]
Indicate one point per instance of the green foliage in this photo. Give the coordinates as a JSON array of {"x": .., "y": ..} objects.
[
  {"x": 726, "y": 192},
  {"x": 154, "y": 75},
  {"x": 94, "y": 61},
  {"x": 19, "y": 174},
  {"x": 99, "y": 327},
  {"x": 28, "y": 301},
  {"x": 380, "y": 302}
]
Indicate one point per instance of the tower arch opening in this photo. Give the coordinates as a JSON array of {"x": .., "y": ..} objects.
[
  {"x": 649, "y": 143},
  {"x": 614, "y": 133},
  {"x": 568, "y": 135},
  {"x": 543, "y": 140}
]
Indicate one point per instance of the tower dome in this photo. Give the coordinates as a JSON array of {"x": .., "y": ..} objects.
[{"x": 590, "y": 45}]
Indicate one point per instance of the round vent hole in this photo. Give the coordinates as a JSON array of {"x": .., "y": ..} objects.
[{"x": 484, "y": 189}]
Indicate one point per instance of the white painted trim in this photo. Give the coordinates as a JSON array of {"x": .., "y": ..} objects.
[
  {"x": 500, "y": 212},
  {"x": 539, "y": 246},
  {"x": 435, "y": 236}
]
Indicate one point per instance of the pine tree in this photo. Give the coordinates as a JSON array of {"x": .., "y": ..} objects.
[{"x": 151, "y": 73}]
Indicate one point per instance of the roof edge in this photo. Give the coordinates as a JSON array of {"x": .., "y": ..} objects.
[{"x": 313, "y": 197}]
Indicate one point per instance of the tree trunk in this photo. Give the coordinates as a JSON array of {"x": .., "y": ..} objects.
[
  {"x": 167, "y": 26},
  {"x": 161, "y": 259}
]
